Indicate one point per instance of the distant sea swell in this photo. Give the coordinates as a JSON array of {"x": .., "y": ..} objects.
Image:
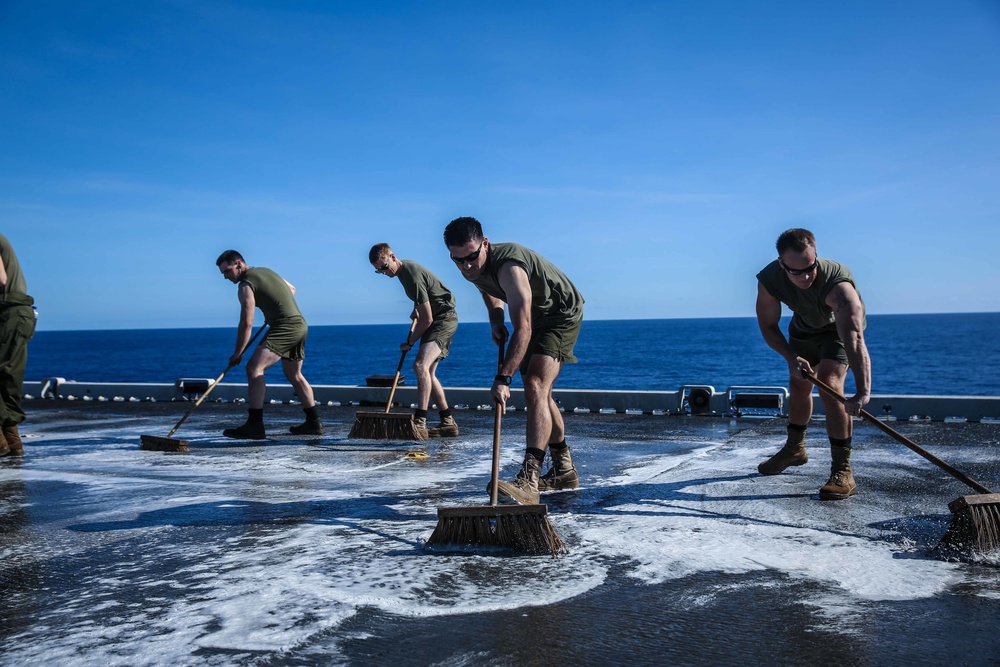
[{"x": 911, "y": 354}]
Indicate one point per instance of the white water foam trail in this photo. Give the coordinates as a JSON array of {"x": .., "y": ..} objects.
[
  {"x": 732, "y": 526},
  {"x": 234, "y": 553}
]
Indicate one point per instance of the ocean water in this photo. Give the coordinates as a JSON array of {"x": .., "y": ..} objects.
[{"x": 911, "y": 354}]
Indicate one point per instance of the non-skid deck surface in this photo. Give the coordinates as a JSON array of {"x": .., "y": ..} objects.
[{"x": 311, "y": 550}]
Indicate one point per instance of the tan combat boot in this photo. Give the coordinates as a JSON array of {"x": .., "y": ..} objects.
[
  {"x": 448, "y": 428},
  {"x": 562, "y": 474},
  {"x": 792, "y": 454},
  {"x": 13, "y": 439},
  {"x": 420, "y": 426},
  {"x": 524, "y": 489},
  {"x": 4, "y": 446},
  {"x": 841, "y": 484}
]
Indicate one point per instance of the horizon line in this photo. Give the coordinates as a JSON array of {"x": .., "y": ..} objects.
[{"x": 484, "y": 321}]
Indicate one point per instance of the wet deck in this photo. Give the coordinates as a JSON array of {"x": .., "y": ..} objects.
[{"x": 310, "y": 551}]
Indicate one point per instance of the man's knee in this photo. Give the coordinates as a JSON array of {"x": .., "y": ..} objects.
[
  {"x": 798, "y": 388},
  {"x": 831, "y": 404},
  {"x": 536, "y": 387}
]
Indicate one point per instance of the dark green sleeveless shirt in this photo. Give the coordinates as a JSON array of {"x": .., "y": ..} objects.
[
  {"x": 554, "y": 297},
  {"x": 810, "y": 313},
  {"x": 272, "y": 294}
]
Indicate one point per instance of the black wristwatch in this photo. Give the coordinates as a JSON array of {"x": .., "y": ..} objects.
[{"x": 503, "y": 379}]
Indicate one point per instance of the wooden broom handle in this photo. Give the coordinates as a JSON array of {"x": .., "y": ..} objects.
[
  {"x": 212, "y": 386},
  {"x": 399, "y": 368},
  {"x": 497, "y": 413},
  {"x": 899, "y": 437}
]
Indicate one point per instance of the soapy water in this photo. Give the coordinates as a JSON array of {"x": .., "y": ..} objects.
[{"x": 242, "y": 553}]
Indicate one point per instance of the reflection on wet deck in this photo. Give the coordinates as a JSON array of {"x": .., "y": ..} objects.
[{"x": 302, "y": 551}]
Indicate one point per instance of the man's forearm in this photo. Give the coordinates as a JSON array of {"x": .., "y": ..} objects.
[
  {"x": 860, "y": 363},
  {"x": 516, "y": 350},
  {"x": 777, "y": 342}
]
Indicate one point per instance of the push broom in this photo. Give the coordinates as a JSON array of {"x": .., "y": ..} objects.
[
  {"x": 387, "y": 425},
  {"x": 169, "y": 444},
  {"x": 975, "y": 524},
  {"x": 523, "y": 528}
]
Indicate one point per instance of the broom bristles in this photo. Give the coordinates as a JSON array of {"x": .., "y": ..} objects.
[
  {"x": 975, "y": 526},
  {"x": 157, "y": 444},
  {"x": 522, "y": 528},
  {"x": 384, "y": 426}
]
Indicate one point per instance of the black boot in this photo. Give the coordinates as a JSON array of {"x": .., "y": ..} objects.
[
  {"x": 253, "y": 429},
  {"x": 311, "y": 426}
]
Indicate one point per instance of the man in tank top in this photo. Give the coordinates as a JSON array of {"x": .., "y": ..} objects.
[
  {"x": 434, "y": 311},
  {"x": 285, "y": 341},
  {"x": 17, "y": 326},
  {"x": 546, "y": 311},
  {"x": 825, "y": 337}
]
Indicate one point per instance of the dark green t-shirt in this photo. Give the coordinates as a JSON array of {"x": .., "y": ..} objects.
[
  {"x": 15, "y": 279},
  {"x": 553, "y": 296},
  {"x": 422, "y": 286},
  {"x": 272, "y": 294},
  {"x": 810, "y": 313}
]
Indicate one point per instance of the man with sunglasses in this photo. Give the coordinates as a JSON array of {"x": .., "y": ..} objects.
[
  {"x": 825, "y": 337},
  {"x": 436, "y": 323},
  {"x": 285, "y": 341},
  {"x": 546, "y": 311}
]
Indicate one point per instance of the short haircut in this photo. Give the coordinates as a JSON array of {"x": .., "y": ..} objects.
[
  {"x": 462, "y": 230},
  {"x": 379, "y": 251},
  {"x": 796, "y": 239},
  {"x": 229, "y": 257}
]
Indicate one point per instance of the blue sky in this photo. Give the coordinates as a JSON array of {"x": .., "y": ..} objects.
[{"x": 652, "y": 150}]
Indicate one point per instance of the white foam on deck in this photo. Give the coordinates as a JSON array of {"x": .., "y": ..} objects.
[
  {"x": 261, "y": 549},
  {"x": 733, "y": 527}
]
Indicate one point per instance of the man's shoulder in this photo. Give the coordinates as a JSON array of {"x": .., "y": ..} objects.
[
  {"x": 508, "y": 247},
  {"x": 770, "y": 272},
  {"x": 414, "y": 268},
  {"x": 835, "y": 272},
  {"x": 515, "y": 254},
  {"x": 256, "y": 276},
  {"x": 251, "y": 270},
  {"x": 832, "y": 264}
]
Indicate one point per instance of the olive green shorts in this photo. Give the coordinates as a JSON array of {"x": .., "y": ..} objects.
[
  {"x": 814, "y": 347},
  {"x": 287, "y": 338},
  {"x": 553, "y": 339},
  {"x": 441, "y": 331}
]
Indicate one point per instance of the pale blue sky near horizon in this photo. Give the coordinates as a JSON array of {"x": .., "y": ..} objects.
[{"x": 652, "y": 150}]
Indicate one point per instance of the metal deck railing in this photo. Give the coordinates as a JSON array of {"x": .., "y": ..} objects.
[{"x": 689, "y": 399}]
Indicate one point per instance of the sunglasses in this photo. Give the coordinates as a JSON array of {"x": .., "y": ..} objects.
[
  {"x": 471, "y": 257},
  {"x": 382, "y": 270},
  {"x": 801, "y": 272}
]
